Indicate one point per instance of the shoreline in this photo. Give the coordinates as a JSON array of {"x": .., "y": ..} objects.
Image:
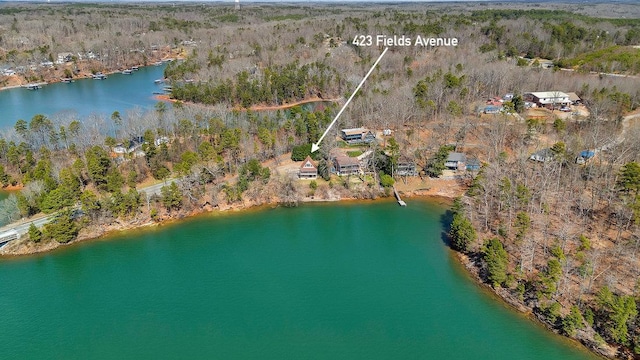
[
  {"x": 24, "y": 247},
  {"x": 167, "y": 98},
  {"x": 467, "y": 264},
  {"x": 83, "y": 76}
]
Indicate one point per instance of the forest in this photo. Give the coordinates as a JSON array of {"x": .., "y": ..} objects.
[{"x": 556, "y": 238}]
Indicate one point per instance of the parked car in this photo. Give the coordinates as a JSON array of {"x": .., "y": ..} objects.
[{"x": 565, "y": 109}]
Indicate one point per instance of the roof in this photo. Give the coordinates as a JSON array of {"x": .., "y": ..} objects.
[
  {"x": 354, "y": 131},
  {"x": 473, "y": 162},
  {"x": 304, "y": 169},
  {"x": 542, "y": 155},
  {"x": 347, "y": 161},
  {"x": 456, "y": 156},
  {"x": 405, "y": 160},
  {"x": 573, "y": 96},
  {"x": 549, "y": 94},
  {"x": 587, "y": 154}
]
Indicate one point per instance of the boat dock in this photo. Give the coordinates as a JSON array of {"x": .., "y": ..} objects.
[
  {"x": 99, "y": 76},
  {"x": 400, "y": 202},
  {"x": 35, "y": 86}
]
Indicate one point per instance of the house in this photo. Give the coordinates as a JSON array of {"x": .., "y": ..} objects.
[
  {"x": 585, "y": 156},
  {"x": 574, "y": 98},
  {"x": 119, "y": 149},
  {"x": 548, "y": 99},
  {"x": 161, "y": 140},
  {"x": 308, "y": 170},
  {"x": 64, "y": 57},
  {"x": 357, "y": 135},
  {"x": 543, "y": 155},
  {"x": 455, "y": 161},
  {"x": 344, "y": 165},
  {"x": 495, "y": 101},
  {"x": 134, "y": 146},
  {"x": 473, "y": 164},
  {"x": 492, "y": 109},
  {"x": 406, "y": 167}
]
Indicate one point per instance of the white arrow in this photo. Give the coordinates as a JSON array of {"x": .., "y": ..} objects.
[{"x": 315, "y": 147}]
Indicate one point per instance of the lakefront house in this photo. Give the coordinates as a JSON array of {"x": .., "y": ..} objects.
[{"x": 308, "y": 170}]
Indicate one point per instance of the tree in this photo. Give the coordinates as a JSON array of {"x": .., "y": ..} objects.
[
  {"x": 63, "y": 228},
  {"x": 158, "y": 170},
  {"x": 496, "y": 260},
  {"x": 616, "y": 311},
  {"x": 300, "y": 152},
  {"x": 21, "y": 128},
  {"x": 386, "y": 180},
  {"x": 98, "y": 163},
  {"x": 323, "y": 170},
  {"x": 518, "y": 103},
  {"x": 462, "y": 233},
  {"x": 629, "y": 178},
  {"x": 35, "y": 234},
  {"x": 573, "y": 321},
  {"x": 435, "y": 165},
  {"x": 394, "y": 152},
  {"x": 90, "y": 204},
  {"x": 42, "y": 126},
  {"x": 171, "y": 196}
]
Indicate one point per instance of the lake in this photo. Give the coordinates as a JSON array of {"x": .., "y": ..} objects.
[
  {"x": 83, "y": 97},
  {"x": 324, "y": 281}
]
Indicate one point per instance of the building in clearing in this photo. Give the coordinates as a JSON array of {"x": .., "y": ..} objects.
[
  {"x": 345, "y": 165},
  {"x": 548, "y": 99},
  {"x": 455, "y": 161},
  {"x": 543, "y": 155},
  {"x": 308, "y": 170},
  {"x": 357, "y": 135},
  {"x": 406, "y": 167}
]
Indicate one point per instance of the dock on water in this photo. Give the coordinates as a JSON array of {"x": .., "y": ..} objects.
[
  {"x": 34, "y": 86},
  {"x": 395, "y": 192}
]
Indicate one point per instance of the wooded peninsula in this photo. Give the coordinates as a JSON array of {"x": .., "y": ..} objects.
[{"x": 528, "y": 120}]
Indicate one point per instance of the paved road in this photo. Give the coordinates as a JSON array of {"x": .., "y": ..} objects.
[{"x": 22, "y": 226}]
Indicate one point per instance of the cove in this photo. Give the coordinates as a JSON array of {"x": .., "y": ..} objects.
[
  {"x": 324, "y": 281},
  {"x": 82, "y": 97}
]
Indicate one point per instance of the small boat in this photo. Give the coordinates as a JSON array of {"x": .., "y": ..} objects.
[
  {"x": 66, "y": 80},
  {"x": 99, "y": 76},
  {"x": 158, "y": 81},
  {"x": 127, "y": 72},
  {"x": 157, "y": 63},
  {"x": 33, "y": 86},
  {"x": 135, "y": 68}
]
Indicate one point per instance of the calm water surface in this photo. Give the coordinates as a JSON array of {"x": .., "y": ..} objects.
[
  {"x": 354, "y": 281},
  {"x": 82, "y": 97}
]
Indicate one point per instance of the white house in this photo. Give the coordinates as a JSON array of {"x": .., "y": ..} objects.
[{"x": 548, "y": 99}]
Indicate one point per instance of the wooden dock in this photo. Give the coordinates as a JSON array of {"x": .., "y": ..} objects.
[{"x": 400, "y": 202}]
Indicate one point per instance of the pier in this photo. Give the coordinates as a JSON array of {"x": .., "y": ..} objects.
[
  {"x": 400, "y": 202},
  {"x": 35, "y": 86}
]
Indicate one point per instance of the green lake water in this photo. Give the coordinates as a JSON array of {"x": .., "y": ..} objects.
[
  {"x": 330, "y": 281},
  {"x": 83, "y": 97}
]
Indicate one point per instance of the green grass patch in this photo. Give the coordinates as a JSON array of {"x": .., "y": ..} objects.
[{"x": 354, "y": 153}]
